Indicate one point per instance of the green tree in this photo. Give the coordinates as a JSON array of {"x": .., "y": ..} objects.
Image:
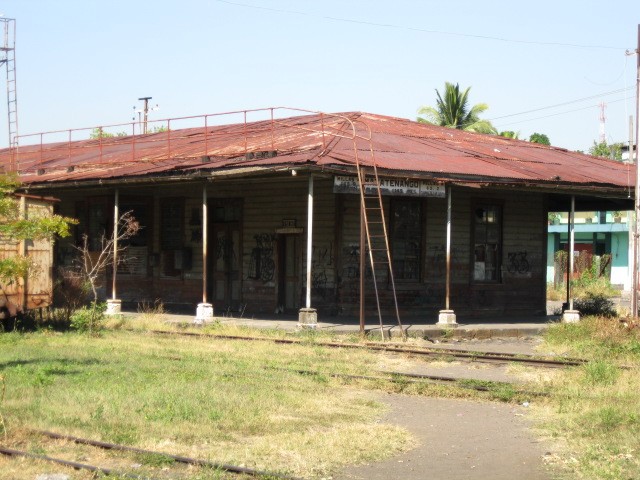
[
  {"x": 602, "y": 149},
  {"x": 510, "y": 134},
  {"x": 14, "y": 227},
  {"x": 98, "y": 132},
  {"x": 452, "y": 110},
  {"x": 540, "y": 138}
]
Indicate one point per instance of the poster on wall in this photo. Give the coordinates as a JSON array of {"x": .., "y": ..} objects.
[{"x": 404, "y": 187}]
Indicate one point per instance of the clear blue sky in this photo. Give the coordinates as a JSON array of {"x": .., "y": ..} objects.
[{"x": 85, "y": 63}]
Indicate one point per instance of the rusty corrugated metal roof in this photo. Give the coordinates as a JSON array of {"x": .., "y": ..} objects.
[{"x": 322, "y": 140}]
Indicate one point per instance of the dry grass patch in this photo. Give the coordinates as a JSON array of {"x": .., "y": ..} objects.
[{"x": 226, "y": 401}]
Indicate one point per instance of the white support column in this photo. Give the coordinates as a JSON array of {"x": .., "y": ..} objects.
[
  {"x": 571, "y": 315},
  {"x": 308, "y": 317},
  {"x": 447, "y": 317},
  {"x": 114, "y": 306},
  {"x": 204, "y": 311}
]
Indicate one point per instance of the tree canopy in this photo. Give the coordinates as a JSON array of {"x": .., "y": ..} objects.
[
  {"x": 540, "y": 138},
  {"x": 602, "y": 149},
  {"x": 510, "y": 134},
  {"x": 452, "y": 110}
]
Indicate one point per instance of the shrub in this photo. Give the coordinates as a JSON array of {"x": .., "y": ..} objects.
[
  {"x": 70, "y": 291},
  {"x": 595, "y": 304},
  {"x": 89, "y": 319}
]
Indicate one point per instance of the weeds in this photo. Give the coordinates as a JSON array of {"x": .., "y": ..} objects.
[
  {"x": 2, "y": 424},
  {"x": 595, "y": 408},
  {"x": 89, "y": 319},
  {"x": 154, "y": 459},
  {"x": 600, "y": 372},
  {"x": 148, "y": 311}
]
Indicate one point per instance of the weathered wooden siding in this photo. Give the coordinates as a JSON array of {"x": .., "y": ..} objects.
[
  {"x": 276, "y": 207},
  {"x": 35, "y": 291},
  {"x": 265, "y": 204},
  {"x": 520, "y": 291}
]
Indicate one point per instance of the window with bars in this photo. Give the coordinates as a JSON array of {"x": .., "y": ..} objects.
[{"x": 406, "y": 238}]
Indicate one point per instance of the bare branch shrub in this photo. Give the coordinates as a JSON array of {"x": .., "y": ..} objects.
[{"x": 91, "y": 265}]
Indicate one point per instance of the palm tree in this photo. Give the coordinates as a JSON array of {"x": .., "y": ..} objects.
[{"x": 453, "y": 111}]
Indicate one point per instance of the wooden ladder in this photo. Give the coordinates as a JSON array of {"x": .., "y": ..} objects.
[{"x": 377, "y": 238}]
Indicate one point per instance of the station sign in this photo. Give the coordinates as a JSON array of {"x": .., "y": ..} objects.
[{"x": 403, "y": 187}]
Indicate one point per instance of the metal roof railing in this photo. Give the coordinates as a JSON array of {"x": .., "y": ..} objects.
[{"x": 188, "y": 137}]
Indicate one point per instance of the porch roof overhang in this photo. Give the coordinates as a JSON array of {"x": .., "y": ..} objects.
[{"x": 329, "y": 144}]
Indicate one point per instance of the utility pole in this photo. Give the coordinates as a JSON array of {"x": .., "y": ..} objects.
[
  {"x": 146, "y": 112},
  {"x": 636, "y": 201}
]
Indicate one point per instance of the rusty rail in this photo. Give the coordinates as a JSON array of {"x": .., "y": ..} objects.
[
  {"x": 434, "y": 352},
  {"x": 176, "y": 458},
  {"x": 75, "y": 465},
  {"x": 397, "y": 377}
]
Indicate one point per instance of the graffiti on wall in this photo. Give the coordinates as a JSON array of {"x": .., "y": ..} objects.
[
  {"x": 517, "y": 262},
  {"x": 321, "y": 263},
  {"x": 262, "y": 265},
  {"x": 351, "y": 267},
  {"x": 437, "y": 261}
]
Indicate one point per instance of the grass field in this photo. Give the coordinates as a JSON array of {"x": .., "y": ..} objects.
[
  {"x": 276, "y": 407},
  {"x": 593, "y": 413},
  {"x": 233, "y": 402}
]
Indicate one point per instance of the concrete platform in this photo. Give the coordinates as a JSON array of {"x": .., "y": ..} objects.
[{"x": 468, "y": 328}]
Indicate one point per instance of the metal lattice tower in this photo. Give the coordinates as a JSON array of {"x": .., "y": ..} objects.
[
  {"x": 8, "y": 60},
  {"x": 603, "y": 119}
]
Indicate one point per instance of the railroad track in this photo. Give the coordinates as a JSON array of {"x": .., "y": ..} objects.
[
  {"x": 123, "y": 448},
  {"x": 474, "y": 356},
  {"x": 398, "y": 377}
]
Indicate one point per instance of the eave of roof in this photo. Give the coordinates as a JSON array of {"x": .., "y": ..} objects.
[{"x": 334, "y": 142}]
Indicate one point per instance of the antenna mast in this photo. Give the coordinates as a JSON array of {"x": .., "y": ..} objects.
[
  {"x": 8, "y": 60},
  {"x": 603, "y": 135}
]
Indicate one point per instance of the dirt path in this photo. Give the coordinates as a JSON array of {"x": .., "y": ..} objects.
[{"x": 458, "y": 440}]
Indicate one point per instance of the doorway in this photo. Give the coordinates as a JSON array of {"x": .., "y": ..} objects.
[
  {"x": 225, "y": 263},
  {"x": 288, "y": 273}
]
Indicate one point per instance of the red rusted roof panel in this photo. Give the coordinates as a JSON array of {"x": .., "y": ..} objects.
[{"x": 323, "y": 140}]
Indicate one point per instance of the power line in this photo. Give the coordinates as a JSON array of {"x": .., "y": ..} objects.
[
  {"x": 564, "y": 113},
  {"x": 415, "y": 29},
  {"x": 591, "y": 97}
]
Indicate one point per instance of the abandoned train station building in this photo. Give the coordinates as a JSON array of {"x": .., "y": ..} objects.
[{"x": 263, "y": 216}]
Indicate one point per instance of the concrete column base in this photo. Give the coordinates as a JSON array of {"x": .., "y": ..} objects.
[
  {"x": 308, "y": 318},
  {"x": 204, "y": 313},
  {"x": 447, "y": 318},
  {"x": 114, "y": 307},
  {"x": 570, "y": 316}
]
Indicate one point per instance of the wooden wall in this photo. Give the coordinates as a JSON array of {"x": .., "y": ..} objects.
[
  {"x": 273, "y": 207},
  {"x": 521, "y": 290},
  {"x": 36, "y": 290}
]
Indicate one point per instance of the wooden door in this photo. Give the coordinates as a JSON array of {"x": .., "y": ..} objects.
[
  {"x": 288, "y": 273},
  {"x": 227, "y": 294}
]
